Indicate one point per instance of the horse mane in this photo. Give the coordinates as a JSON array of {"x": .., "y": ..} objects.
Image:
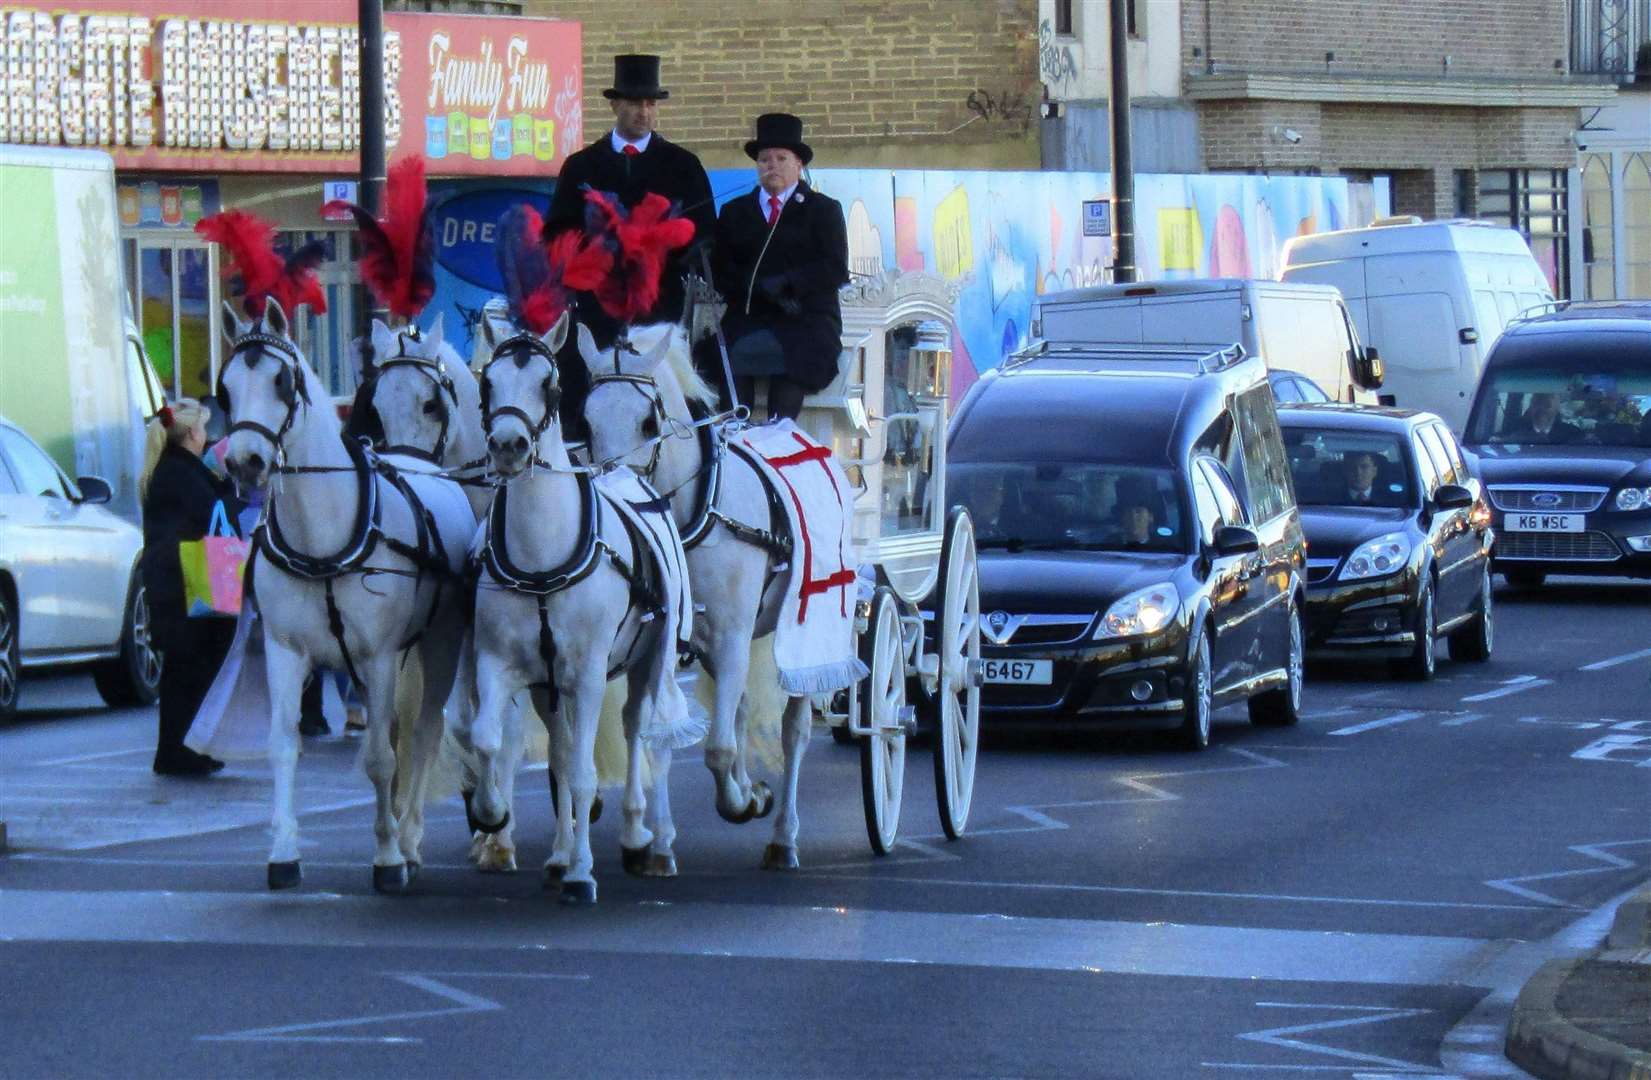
[{"x": 679, "y": 358}]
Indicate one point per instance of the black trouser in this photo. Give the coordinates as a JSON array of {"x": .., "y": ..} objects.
[
  {"x": 785, "y": 398},
  {"x": 197, "y": 652}
]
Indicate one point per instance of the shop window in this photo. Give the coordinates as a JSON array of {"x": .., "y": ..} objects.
[
  {"x": 1597, "y": 249},
  {"x": 1636, "y": 224}
]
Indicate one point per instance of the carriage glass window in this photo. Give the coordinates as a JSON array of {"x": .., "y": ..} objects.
[
  {"x": 1266, "y": 474},
  {"x": 1554, "y": 406},
  {"x": 1066, "y": 506},
  {"x": 918, "y": 368},
  {"x": 1332, "y": 467}
]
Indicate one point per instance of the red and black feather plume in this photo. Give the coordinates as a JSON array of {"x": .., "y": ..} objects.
[
  {"x": 398, "y": 250},
  {"x": 250, "y": 243},
  {"x": 638, "y": 242}
]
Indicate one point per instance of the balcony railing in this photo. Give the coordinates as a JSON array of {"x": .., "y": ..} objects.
[{"x": 1608, "y": 36}]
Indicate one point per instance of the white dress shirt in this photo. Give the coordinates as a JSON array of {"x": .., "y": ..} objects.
[
  {"x": 619, "y": 142},
  {"x": 763, "y": 196}
]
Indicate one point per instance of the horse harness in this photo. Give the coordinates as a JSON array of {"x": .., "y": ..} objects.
[
  {"x": 436, "y": 371},
  {"x": 521, "y": 348}
]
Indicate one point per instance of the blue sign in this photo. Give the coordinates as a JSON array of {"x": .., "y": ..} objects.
[
  {"x": 1097, "y": 217},
  {"x": 467, "y": 227}
]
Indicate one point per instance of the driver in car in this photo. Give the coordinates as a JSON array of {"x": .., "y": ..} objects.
[{"x": 1136, "y": 520}]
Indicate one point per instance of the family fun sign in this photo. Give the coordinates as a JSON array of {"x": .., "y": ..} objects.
[{"x": 183, "y": 87}]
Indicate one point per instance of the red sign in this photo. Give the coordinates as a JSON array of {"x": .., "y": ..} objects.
[
  {"x": 187, "y": 85},
  {"x": 493, "y": 96}
]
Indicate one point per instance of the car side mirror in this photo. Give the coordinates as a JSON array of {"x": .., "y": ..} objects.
[
  {"x": 1452, "y": 497},
  {"x": 1369, "y": 370},
  {"x": 94, "y": 490},
  {"x": 1236, "y": 540}
]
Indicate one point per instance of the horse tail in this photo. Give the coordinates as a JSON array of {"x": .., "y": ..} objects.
[{"x": 764, "y": 705}]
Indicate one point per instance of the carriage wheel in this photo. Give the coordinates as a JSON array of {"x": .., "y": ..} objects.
[
  {"x": 882, "y": 699},
  {"x": 956, "y": 710}
]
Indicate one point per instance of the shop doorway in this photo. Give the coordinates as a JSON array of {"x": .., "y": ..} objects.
[{"x": 173, "y": 282}]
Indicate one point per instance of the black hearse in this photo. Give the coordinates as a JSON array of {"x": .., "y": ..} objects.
[
  {"x": 1561, "y": 426},
  {"x": 1398, "y": 536},
  {"x": 1141, "y": 558}
]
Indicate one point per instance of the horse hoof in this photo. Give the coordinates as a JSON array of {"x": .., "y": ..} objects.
[
  {"x": 390, "y": 880},
  {"x": 470, "y": 812},
  {"x": 778, "y": 857},
  {"x": 553, "y": 876},
  {"x": 660, "y": 865},
  {"x": 762, "y": 799},
  {"x": 635, "y": 860},
  {"x": 497, "y": 862},
  {"x": 579, "y": 893},
  {"x": 285, "y": 875},
  {"x": 483, "y": 827},
  {"x": 740, "y": 816}
]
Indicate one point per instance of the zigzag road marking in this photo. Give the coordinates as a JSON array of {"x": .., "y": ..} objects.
[
  {"x": 1375, "y": 1014},
  {"x": 1592, "y": 851}
]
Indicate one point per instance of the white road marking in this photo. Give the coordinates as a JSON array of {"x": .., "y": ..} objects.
[
  {"x": 463, "y": 1003},
  {"x": 1517, "y": 685},
  {"x": 1596, "y": 852},
  {"x": 754, "y": 931},
  {"x": 1371, "y": 725},
  {"x": 78, "y": 758},
  {"x": 1374, "y": 1014},
  {"x": 1629, "y": 746},
  {"x": 1625, "y": 658},
  {"x": 1573, "y": 725},
  {"x": 1465, "y": 718}
]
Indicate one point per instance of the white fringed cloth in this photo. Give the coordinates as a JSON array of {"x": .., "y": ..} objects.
[{"x": 814, "y": 640}]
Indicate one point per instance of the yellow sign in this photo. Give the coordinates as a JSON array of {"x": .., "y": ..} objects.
[
  {"x": 954, "y": 252},
  {"x": 1180, "y": 239}
]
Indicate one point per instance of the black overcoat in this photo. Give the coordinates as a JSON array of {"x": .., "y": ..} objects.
[
  {"x": 809, "y": 253},
  {"x": 179, "y": 505}
]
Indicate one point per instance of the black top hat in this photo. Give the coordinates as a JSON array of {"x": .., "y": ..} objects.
[
  {"x": 636, "y": 76},
  {"x": 782, "y": 130}
]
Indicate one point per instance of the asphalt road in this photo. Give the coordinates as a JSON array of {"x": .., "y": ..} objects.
[{"x": 1358, "y": 896}]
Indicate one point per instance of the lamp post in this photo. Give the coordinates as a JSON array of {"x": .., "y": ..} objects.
[
  {"x": 371, "y": 17},
  {"x": 1123, "y": 170}
]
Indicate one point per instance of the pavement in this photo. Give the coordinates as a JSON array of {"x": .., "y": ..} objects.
[{"x": 1589, "y": 1017}]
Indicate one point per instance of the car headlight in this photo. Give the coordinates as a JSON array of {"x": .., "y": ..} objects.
[
  {"x": 1634, "y": 499},
  {"x": 1144, "y": 611},
  {"x": 1377, "y": 558}
]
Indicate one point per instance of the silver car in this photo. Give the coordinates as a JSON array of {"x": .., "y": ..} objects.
[{"x": 70, "y": 591}]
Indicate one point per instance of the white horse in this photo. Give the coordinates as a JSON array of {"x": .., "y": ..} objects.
[
  {"x": 428, "y": 405},
  {"x": 556, "y": 612},
  {"x": 638, "y": 412},
  {"x": 347, "y": 575}
]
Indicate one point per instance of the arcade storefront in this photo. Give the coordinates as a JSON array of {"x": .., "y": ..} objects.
[{"x": 204, "y": 110}]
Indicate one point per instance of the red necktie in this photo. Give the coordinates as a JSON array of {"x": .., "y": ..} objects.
[
  {"x": 773, "y": 210},
  {"x": 631, "y": 151}
]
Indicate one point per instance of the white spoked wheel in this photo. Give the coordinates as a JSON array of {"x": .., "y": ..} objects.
[
  {"x": 957, "y": 695},
  {"x": 882, "y": 700}
]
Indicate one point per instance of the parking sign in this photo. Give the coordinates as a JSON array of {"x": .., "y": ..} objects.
[
  {"x": 333, "y": 190},
  {"x": 1097, "y": 217}
]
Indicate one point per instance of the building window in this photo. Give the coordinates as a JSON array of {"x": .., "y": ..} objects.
[
  {"x": 1599, "y": 269},
  {"x": 1132, "y": 22},
  {"x": 1063, "y": 17},
  {"x": 1636, "y": 225},
  {"x": 1534, "y": 202}
]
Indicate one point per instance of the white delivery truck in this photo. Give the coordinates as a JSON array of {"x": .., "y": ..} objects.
[
  {"x": 1433, "y": 297},
  {"x": 1301, "y": 328},
  {"x": 72, "y": 370}
]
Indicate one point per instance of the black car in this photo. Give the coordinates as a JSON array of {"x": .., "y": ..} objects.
[
  {"x": 1398, "y": 536},
  {"x": 1561, "y": 427},
  {"x": 1141, "y": 558}
]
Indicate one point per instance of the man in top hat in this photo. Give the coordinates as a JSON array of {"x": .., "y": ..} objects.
[
  {"x": 632, "y": 161},
  {"x": 781, "y": 256}
]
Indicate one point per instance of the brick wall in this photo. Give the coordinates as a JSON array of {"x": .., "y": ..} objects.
[
  {"x": 913, "y": 83},
  {"x": 1493, "y": 38}
]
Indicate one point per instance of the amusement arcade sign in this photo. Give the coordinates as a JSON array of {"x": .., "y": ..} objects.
[{"x": 174, "y": 85}]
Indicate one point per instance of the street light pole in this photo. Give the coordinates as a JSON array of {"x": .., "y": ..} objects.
[
  {"x": 1123, "y": 169},
  {"x": 371, "y": 18}
]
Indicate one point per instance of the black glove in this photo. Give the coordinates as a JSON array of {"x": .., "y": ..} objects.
[{"x": 772, "y": 288}]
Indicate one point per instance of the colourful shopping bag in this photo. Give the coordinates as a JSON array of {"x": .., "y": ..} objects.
[{"x": 212, "y": 569}]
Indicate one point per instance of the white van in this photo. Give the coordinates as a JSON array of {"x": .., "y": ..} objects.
[
  {"x": 72, "y": 370},
  {"x": 1433, "y": 297},
  {"x": 1299, "y": 328}
]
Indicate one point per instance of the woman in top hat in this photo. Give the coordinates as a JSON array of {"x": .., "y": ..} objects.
[{"x": 781, "y": 256}]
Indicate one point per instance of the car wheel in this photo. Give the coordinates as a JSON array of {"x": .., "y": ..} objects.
[
  {"x": 10, "y": 662},
  {"x": 1525, "y": 579},
  {"x": 1475, "y": 640},
  {"x": 1420, "y": 664},
  {"x": 1282, "y": 707},
  {"x": 134, "y": 677},
  {"x": 1197, "y": 701}
]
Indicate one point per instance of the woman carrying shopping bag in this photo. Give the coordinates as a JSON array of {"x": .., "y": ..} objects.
[{"x": 184, "y": 502}]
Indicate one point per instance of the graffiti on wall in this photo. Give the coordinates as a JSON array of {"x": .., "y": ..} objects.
[{"x": 1056, "y": 60}]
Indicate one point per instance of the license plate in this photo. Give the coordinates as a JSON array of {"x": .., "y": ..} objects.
[
  {"x": 1543, "y": 523},
  {"x": 1021, "y": 672}
]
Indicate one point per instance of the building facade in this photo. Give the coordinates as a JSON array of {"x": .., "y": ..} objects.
[{"x": 1611, "y": 215}]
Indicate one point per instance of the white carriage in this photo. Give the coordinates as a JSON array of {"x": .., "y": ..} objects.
[{"x": 918, "y": 613}]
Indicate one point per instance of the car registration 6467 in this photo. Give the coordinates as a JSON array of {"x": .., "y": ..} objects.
[{"x": 1021, "y": 672}]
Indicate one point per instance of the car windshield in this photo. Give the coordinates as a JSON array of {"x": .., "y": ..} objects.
[
  {"x": 1549, "y": 406},
  {"x": 1069, "y": 506},
  {"x": 1348, "y": 468}
]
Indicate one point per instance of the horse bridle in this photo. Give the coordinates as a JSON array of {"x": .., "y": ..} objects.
[
  {"x": 648, "y": 387},
  {"x": 291, "y": 395},
  {"x": 436, "y": 372},
  {"x": 521, "y": 348}
]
